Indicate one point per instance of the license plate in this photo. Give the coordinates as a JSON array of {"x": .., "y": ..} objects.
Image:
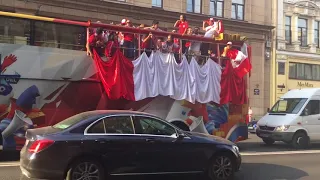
[{"x": 250, "y": 127}]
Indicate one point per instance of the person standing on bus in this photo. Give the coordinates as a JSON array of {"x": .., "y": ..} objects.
[
  {"x": 169, "y": 46},
  {"x": 194, "y": 48},
  {"x": 128, "y": 42},
  {"x": 183, "y": 26},
  {"x": 97, "y": 42},
  {"x": 150, "y": 41}
]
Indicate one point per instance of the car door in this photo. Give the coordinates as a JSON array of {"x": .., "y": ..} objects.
[
  {"x": 311, "y": 119},
  {"x": 159, "y": 149},
  {"x": 113, "y": 139}
]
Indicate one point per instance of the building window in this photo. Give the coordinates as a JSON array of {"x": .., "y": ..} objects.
[
  {"x": 194, "y": 6},
  {"x": 303, "y": 32},
  {"x": 288, "y": 30},
  {"x": 216, "y": 8},
  {"x": 304, "y": 71},
  {"x": 157, "y": 3},
  {"x": 238, "y": 9},
  {"x": 281, "y": 68},
  {"x": 292, "y": 71},
  {"x": 316, "y": 33}
]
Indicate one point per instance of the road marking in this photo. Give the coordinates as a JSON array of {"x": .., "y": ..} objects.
[
  {"x": 10, "y": 164},
  {"x": 279, "y": 153}
]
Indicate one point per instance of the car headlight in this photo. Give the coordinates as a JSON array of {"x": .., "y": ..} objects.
[
  {"x": 236, "y": 148},
  {"x": 282, "y": 128}
]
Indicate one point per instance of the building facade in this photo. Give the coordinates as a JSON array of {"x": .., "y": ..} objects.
[
  {"x": 250, "y": 18},
  {"x": 297, "y": 53}
]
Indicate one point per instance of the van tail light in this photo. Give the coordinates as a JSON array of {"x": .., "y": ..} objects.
[{"x": 40, "y": 145}]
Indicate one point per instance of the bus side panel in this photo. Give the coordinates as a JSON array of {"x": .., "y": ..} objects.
[{"x": 226, "y": 121}]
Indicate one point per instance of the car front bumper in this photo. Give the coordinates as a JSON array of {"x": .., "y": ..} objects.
[{"x": 276, "y": 136}]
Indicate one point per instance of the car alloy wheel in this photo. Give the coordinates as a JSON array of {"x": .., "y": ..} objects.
[
  {"x": 222, "y": 168},
  {"x": 86, "y": 171}
]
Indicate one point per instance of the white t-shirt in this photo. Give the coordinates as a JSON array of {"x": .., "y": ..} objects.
[{"x": 210, "y": 30}]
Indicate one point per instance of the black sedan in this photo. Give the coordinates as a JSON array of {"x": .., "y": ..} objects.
[{"x": 98, "y": 144}]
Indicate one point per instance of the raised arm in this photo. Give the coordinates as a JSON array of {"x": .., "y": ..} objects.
[{"x": 177, "y": 23}]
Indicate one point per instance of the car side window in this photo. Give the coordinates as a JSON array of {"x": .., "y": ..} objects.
[
  {"x": 147, "y": 125},
  {"x": 119, "y": 125},
  {"x": 97, "y": 128},
  {"x": 312, "y": 108}
]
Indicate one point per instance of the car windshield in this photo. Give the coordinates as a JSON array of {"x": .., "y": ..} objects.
[
  {"x": 288, "y": 105},
  {"x": 73, "y": 120}
]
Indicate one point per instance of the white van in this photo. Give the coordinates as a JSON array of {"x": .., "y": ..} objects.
[{"x": 294, "y": 119}]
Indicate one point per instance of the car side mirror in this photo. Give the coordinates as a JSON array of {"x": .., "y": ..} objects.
[{"x": 181, "y": 135}]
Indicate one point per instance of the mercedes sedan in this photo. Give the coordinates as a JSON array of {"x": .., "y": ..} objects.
[{"x": 98, "y": 144}]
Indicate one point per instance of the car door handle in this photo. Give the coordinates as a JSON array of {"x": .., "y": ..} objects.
[{"x": 151, "y": 140}]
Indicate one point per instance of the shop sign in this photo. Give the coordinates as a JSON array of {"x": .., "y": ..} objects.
[
  {"x": 256, "y": 91},
  {"x": 305, "y": 85}
]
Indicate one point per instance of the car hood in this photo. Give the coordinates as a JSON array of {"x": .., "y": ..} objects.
[
  {"x": 217, "y": 139},
  {"x": 274, "y": 120}
]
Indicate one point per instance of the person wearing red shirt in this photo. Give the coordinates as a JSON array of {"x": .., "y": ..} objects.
[
  {"x": 97, "y": 42},
  {"x": 128, "y": 42},
  {"x": 183, "y": 26},
  {"x": 112, "y": 45}
]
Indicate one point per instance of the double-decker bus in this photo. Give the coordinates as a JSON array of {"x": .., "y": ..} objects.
[{"x": 46, "y": 77}]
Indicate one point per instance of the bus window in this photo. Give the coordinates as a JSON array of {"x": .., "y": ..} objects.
[
  {"x": 14, "y": 30},
  {"x": 48, "y": 34}
]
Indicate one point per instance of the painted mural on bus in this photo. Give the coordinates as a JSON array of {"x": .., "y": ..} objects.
[{"x": 42, "y": 86}]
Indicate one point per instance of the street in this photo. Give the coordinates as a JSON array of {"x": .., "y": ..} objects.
[{"x": 260, "y": 162}]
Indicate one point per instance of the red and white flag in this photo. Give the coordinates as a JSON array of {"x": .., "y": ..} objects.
[
  {"x": 161, "y": 75},
  {"x": 240, "y": 62}
]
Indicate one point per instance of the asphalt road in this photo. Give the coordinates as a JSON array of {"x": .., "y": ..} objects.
[{"x": 260, "y": 162}]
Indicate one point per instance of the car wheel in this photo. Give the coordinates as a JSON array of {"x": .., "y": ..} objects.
[
  {"x": 222, "y": 167},
  {"x": 85, "y": 169},
  {"x": 268, "y": 141},
  {"x": 300, "y": 140}
]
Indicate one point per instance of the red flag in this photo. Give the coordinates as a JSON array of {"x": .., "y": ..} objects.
[{"x": 116, "y": 76}]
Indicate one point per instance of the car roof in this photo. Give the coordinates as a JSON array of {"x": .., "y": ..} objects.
[
  {"x": 112, "y": 112},
  {"x": 302, "y": 93}
]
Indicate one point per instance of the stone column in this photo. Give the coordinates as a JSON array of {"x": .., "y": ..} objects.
[
  {"x": 280, "y": 21},
  {"x": 281, "y": 42},
  {"x": 294, "y": 30},
  {"x": 206, "y": 7},
  {"x": 311, "y": 42},
  {"x": 227, "y": 8}
]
